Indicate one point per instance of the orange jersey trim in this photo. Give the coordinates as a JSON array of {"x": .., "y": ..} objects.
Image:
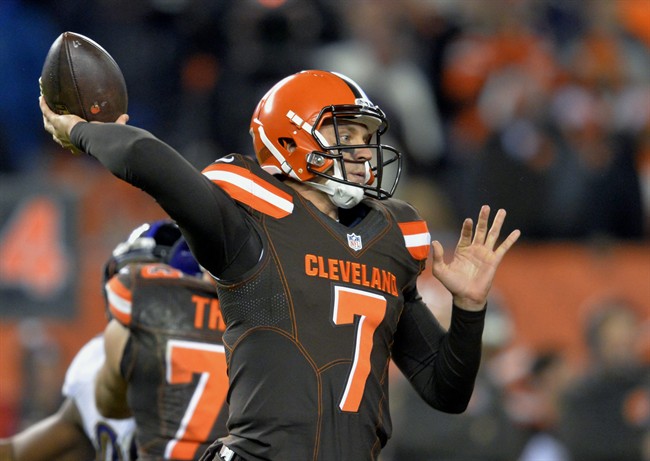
[
  {"x": 416, "y": 238},
  {"x": 249, "y": 189},
  {"x": 120, "y": 300}
]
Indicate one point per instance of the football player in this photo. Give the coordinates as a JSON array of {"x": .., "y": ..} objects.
[
  {"x": 165, "y": 361},
  {"x": 317, "y": 268}
]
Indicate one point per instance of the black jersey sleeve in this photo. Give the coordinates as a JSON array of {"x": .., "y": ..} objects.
[
  {"x": 221, "y": 236},
  {"x": 441, "y": 365}
]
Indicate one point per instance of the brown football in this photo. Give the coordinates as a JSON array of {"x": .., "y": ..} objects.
[{"x": 79, "y": 77}]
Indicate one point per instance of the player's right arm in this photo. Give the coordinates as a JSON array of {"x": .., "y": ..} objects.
[
  {"x": 222, "y": 237},
  {"x": 59, "y": 436}
]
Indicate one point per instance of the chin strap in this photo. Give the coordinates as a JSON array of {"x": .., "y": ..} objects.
[{"x": 342, "y": 195}]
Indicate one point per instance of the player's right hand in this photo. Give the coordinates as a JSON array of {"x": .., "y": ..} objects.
[{"x": 60, "y": 126}]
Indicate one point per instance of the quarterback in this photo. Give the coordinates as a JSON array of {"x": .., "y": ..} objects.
[{"x": 316, "y": 266}]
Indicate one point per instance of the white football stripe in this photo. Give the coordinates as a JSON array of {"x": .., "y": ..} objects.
[
  {"x": 119, "y": 303},
  {"x": 252, "y": 187},
  {"x": 417, "y": 240}
]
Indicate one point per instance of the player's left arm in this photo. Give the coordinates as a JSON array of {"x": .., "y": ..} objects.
[
  {"x": 441, "y": 365},
  {"x": 110, "y": 385}
]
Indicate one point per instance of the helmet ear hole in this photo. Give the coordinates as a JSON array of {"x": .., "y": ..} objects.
[{"x": 288, "y": 144}]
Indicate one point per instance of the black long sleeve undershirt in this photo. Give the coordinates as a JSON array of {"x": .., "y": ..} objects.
[
  {"x": 441, "y": 366},
  {"x": 221, "y": 236}
]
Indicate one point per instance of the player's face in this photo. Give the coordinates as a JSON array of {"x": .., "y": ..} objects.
[{"x": 356, "y": 159}]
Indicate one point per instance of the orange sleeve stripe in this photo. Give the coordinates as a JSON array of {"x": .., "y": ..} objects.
[
  {"x": 247, "y": 188},
  {"x": 416, "y": 238},
  {"x": 120, "y": 300}
]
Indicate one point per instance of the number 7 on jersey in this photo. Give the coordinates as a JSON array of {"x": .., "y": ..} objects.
[
  {"x": 371, "y": 308},
  {"x": 184, "y": 359}
]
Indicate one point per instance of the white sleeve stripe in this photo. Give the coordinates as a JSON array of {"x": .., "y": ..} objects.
[
  {"x": 251, "y": 187},
  {"x": 119, "y": 303},
  {"x": 417, "y": 240}
]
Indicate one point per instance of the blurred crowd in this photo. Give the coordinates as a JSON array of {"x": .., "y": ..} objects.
[
  {"x": 535, "y": 405},
  {"x": 538, "y": 106},
  {"x": 541, "y": 107}
]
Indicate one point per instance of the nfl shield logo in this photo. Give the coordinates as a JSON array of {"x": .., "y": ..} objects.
[{"x": 354, "y": 242}]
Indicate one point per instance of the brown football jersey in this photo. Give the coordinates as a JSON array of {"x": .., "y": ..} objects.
[
  {"x": 325, "y": 303},
  {"x": 174, "y": 361}
]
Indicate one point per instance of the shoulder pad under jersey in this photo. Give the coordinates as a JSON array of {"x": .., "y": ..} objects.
[
  {"x": 416, "y": 233},
  {"x": 119, "y": 289},
  {"x": 247, "y": 183}
]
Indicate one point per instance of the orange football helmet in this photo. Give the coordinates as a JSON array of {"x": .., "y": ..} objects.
[{"x": 285, "y": 130}]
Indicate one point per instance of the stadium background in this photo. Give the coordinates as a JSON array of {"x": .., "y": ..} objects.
[{"x": 489, "y": 101}]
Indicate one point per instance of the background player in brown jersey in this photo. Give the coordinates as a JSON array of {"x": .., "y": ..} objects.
[
  {"x": 165, "y": 361},
  {"x": 317, "y": 268}
]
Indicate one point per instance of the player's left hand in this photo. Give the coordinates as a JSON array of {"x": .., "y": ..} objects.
[{"x": 470, "y": 274}]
